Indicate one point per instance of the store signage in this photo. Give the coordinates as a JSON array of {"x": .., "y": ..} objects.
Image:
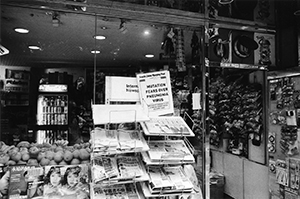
[
  {"x": 156, "y": 93},
  {"x": 121, "y": 89},
  {"x": 60, "y": 88}
]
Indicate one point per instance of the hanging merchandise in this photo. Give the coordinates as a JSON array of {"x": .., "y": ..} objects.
[
  {"x": 220, "y": 46},
  {"x": 179, "y": 49},
  {"x": 196, "y": 51},
  {"x": 235, "y": 114},
  {"x": 243, "y": 46},
  {"x": 265, "y": 53}
]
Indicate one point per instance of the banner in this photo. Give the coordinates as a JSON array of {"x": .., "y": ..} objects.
[{"x": 156, "y": 93}]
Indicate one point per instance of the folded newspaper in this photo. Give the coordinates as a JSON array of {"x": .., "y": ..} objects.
[
  {"x": 169, "y": 150},
  {"x": 169, "y": 179}
]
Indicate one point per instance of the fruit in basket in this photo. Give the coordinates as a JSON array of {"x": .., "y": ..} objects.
[
  {"x": 49, "y": 155},
  {"x": 58, "y": 156},
  {"x": 4, "y": 158},
  {"x": 16, "y": 156},
  {"x": 23, "y": 144},
  {"x": 76, "y": 153},
  {"x": 44, "y": 161},
  {"x": 41, "y": 155},
  {"x": 75, "y": 161},
  {"x": 59, "y": 148},
  {"x": 34, "y": 151},
  {"x": 63, "y": 163},
  {"x": 25, "y": 156},
  {"x": 13, "y": 150},
  {"x": 52, "y": 162},
  {"x": 84, "y": 154},
  {"x": 11, "y": 163},
  {"x": 33, "y": 162},
  {"x": 68, "y": 156}
]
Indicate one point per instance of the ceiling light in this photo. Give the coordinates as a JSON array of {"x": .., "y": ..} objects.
[
  {"x": 149, "y": 56},
  {"x": 146, "y": 32},
  {"x": 34, "y": 47},
  {"x": 103, "y": 27},
  {"x": 99, "y": 37},
  {"x": 21, "y": 30},
  {"x": 95, "y": 51}
]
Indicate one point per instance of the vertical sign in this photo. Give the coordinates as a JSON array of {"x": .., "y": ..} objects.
[{"x": 156, "y": 93}]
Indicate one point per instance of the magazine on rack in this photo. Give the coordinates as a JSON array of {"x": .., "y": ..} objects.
[
  {"x": 121, "y": 191},
  {"x": 169, "y": 150},
  {"x": 103, "y": 168},
  {"x": 118, "y": 169},
  {"x": 169, "y": 180},
  {"x": 4, "y": 179},
  {"x": 173, "y": 125},
  {"x": 20, "y": 177},
  {"x": 66, "y": 182}
]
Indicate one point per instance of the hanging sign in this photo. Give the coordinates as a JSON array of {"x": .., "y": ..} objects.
[
  {"x": 156, "y": 93},
  {"x": 121, "y": 89}
]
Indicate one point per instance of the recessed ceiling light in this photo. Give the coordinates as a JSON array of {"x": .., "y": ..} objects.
[
  {"x": 103, "y": 27},
  {"x": 95, "y": 51},
  {"x": 34, "y": 47},
  {"x": 99, "y": 37},
  {"x": 146, "y": 32},
  {"x": 21, "y": 30},
  {"x": 149, "y": 56}
]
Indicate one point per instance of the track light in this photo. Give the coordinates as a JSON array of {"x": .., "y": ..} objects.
[
  {"x": 123, "y": 28},
  {"x": 225, "y": 1},
  {"x": 55, "y": 19}
]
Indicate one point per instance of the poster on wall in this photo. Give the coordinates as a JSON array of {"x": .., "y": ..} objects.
[
  {"x": 265, "y": 53},
  {"x": 156, "y": 93},
  {"x": 121, "y": 89}
]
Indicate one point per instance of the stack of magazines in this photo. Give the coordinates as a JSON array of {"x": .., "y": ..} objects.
[
  {"x": 118, "y": 169},
  {"x": 105, "y": 142}
]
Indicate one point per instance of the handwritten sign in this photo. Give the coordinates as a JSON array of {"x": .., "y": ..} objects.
[
  {"x": 156, "y": 93},
  {"x": 121, "y": 89}
]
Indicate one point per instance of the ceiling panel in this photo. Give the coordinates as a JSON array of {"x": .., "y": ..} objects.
[{"x": 70, "y": 41}]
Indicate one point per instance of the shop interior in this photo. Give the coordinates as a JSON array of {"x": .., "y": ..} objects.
[{"x": 220, "y": 83}]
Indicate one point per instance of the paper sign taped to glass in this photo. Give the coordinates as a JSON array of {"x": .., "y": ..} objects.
[{"x": 156, "y": 93}]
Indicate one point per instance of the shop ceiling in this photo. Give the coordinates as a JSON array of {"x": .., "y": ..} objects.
[
  {"x": 64, "y": 32},
  {"x": 65, "y": 36}
]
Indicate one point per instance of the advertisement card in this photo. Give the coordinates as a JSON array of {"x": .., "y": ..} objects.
[{"x": 156, "y": 93}]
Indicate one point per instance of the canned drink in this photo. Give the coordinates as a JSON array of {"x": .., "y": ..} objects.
[
  {"x": 48, "y": 118},
  {"x": 58, "y": 119},
  {"x": 54, "y": 109}
]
